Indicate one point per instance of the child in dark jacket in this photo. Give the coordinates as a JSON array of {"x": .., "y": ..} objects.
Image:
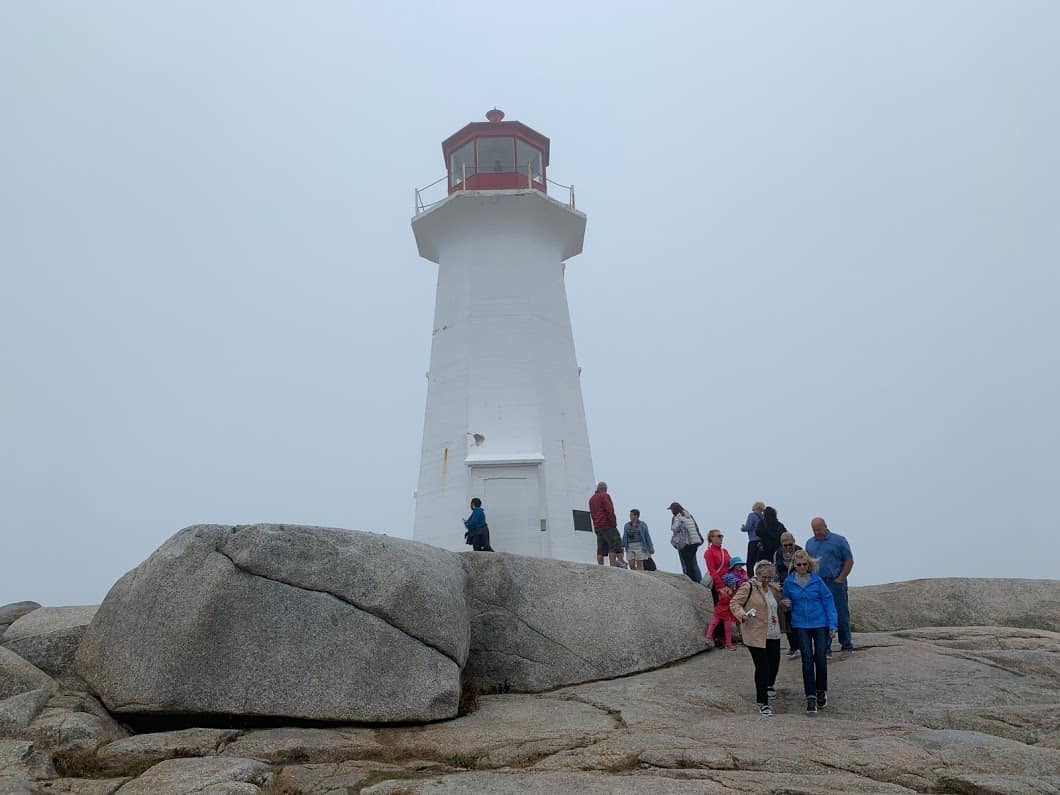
[{"x": 722, "y": 613}]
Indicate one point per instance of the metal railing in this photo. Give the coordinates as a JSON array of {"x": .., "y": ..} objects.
[{"x": 425, "y": 202}]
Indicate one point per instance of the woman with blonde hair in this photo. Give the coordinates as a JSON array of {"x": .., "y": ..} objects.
[
  {"x": 814, "y": 619},
  {"x": 758, "y": 606},
  {"x": 751, "y": 526}
]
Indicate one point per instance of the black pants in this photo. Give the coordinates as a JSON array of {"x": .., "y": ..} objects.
[
  {"x": 689, "y": 564},
  {"x": 480, "y": 540},
  {"x": 753, "y": 554},
  {"x": 767, "y": 663}
]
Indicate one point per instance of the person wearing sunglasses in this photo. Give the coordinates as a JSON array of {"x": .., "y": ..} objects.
[
  {"x": 781, "y": 566},
  {"x": 717, "y": 559},
  {"x": 814, "y": 619}
]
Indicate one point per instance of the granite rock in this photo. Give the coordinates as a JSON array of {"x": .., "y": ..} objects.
[
  {"x": 49, "y": 636},
  {"x": 209, "y": 776},
  {"x": 956, "y": 602},
  {"x": 141, "y": 751},
  {"x": 16, "y": 712},
  {"x": 12, "y": 612},
  {"x": 20, "y": 676},
  {"x": 537, "y": 624},
  {"x": 285, "y": 621}
]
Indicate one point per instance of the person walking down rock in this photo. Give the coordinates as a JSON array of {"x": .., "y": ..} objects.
[
  {"x": 722, "y": 614},
  {"x": 605, "y": 525},
  {"x": 781, "y": 566},
  {"x": 836, "y": 562},
  {"x": 758, "y": 606},
  {"x": 637, "y": 541},
  {"x": 754, "y": 519},
  {"x": 813, "y": 616},
  {"x": 478, "y": 532},
  {"x": 686, "y": 539}
]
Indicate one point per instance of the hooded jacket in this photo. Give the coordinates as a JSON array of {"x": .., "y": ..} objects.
[{"x": 811, "y": 606}]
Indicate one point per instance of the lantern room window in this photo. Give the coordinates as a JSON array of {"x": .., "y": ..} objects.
[
  {"x": 462, "y": 163},
  {"x": 528, "y": 157},
  {"x": 496, "y": 154}
]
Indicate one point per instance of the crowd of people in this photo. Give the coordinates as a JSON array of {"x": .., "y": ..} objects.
[
  {"x": 795, "y": 592},
  {"x": 780, "y": 590}
]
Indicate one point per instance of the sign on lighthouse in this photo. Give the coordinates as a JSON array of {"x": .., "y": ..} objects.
[{"x": 505, "y": 420}]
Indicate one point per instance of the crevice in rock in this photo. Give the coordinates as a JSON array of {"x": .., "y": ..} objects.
[
  {"x": 611, "y": 712},
  {"x": 901, "y": 779},
  {"x": 508, "y": 612},
  {"x": 484, "y": 650},
  {"x": 373, "y": 613}
]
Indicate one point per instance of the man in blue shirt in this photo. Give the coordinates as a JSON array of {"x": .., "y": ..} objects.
[{"x": 836, "y": 561}]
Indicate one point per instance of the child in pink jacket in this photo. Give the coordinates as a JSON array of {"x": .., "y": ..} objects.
[{"x": 722, "y": 613}]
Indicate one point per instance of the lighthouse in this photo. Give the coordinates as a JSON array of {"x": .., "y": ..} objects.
[{"x": 505, "y": 420}]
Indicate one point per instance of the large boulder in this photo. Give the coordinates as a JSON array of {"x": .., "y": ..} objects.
[
  {"x": 537, "y": 624},
  {"x": 956, "y": 602},
  {"x": 10, "y": 613},
  {"x": 20, "y": 676},
  {"x": 16, "y": 712},
  {"x": 274, "y": 620},
  {"x": 48, "y": 637}
]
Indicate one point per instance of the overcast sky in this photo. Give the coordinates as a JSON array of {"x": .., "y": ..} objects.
[{"x": 821, "y": 266}]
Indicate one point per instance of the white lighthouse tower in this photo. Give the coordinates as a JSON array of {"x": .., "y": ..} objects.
[{"x": 505, "y": 420}]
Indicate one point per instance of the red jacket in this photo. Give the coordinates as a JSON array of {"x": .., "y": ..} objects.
[
  {"x": 722, "y": 610},
  {"x": 602, "y": 511},
  {"x": 717, "y": 560}
]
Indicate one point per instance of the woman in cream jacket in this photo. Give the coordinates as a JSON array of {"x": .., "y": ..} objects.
[{"x": 759, "y": 609}]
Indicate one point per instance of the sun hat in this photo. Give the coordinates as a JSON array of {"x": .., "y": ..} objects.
[{"x": 736, "y": 561}]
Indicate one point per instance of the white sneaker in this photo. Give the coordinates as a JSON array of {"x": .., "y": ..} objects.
[{"x": 765, "y": 710}]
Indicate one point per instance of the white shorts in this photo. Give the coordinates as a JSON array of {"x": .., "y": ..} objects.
[{"x": 636, "y": 551}]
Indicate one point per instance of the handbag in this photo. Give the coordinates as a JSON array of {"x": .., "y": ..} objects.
[{"x": 649, "y": 565}]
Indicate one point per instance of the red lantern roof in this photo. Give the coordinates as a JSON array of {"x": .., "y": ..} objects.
[{"x": 496, "y": 155}]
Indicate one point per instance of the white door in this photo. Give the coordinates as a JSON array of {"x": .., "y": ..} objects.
[{"x": 511, "y": 499}]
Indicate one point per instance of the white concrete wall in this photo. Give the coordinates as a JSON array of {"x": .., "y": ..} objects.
[{"x": 503, "y": 367}]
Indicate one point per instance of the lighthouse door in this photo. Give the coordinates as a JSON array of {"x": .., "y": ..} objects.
[{"x": 511, "y": 498}]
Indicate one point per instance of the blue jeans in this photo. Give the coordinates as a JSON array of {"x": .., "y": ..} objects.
[
  {"x": 813, "y": 643},
  {"x": 842, "y": 609}
]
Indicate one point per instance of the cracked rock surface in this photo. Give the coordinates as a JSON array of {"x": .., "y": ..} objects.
[
  {"x": 538, "y": 624},
  {"x": 48, "y": 637},
  {"x": 271, "y": 620},
  {"x": 954, "y": 709}
]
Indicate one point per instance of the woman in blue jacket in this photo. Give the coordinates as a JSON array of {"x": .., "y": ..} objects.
[
  {"x": 478, "y": 532},
  {"x": 814, "y": 619}
]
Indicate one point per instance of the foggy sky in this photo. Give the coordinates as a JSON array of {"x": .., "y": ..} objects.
[{"x": 820, "y": 268}]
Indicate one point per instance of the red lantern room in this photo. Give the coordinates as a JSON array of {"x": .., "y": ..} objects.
[{"x": 496, "y": 155}]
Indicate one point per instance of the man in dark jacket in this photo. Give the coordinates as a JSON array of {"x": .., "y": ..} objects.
[{"x": 605, "y": 525}]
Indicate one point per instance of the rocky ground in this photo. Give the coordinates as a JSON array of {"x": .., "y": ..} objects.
[{"x": 931, "y": 709}]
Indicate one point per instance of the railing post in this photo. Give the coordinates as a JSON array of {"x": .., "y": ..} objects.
[
  {"x": 572, "y": 206},
  {"x": 463, "y": 181}
]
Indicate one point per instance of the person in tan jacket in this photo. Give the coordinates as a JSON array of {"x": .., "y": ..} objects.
[{"x": 759, "y": 609}]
